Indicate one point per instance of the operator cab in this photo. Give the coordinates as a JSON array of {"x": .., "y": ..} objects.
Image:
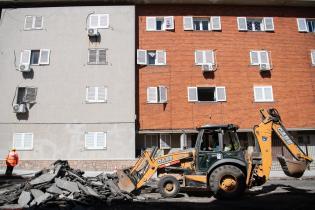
[{"x": 215, "y": 143}]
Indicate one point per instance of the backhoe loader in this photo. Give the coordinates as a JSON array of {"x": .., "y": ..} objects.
[{"x": 217, "y": 163}]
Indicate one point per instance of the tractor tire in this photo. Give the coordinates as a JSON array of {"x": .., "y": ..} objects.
[
  {"x": 227, "y": 182},
  {"x": 168, "y": 186}
]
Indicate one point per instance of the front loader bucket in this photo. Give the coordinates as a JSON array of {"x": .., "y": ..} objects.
[
  {"x": 124, "y": 181},
  {"x": 292, "y": 168}
]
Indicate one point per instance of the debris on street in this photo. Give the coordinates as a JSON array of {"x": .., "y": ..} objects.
[{"x": 60, "y": 185}]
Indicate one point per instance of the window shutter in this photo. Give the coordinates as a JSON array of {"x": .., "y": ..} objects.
[
  {"x": 93, "y": 23},
  {"x": 209, "y": 56},
  {"x": 302, "y": 26},
  {"x": 163, "y": 94},
  {"x": 28, "y": 141},
  {"x": 268, "y": 94},
  {"x": 100, "y": 140},
  {"x": 242, "y": 23},
  {"x": 161, "y": 57},
  {"x": 258, "y": 94},
  {"x": 220, "y": 94},
  {"x": 18, "y": 140},
  {"x": 216, "y": 23},
  {"x": 268, "y": 23},
  {"x": 264, "y": 57},
  {"x": 91, "y": 94},
  {"x": 30, "y": 95},
  {"x": 103, "y": 20},
  {"x": 188, "y": 23},
  {"x": 141, "y": 57},
  {"x": 192, "y": 94},
  {"x": 44, "y": 56},
  {"x": 101, "y": 56},
  {"x": 92, "y": 56},
  {"x": 199, "y": 57},
  {"x": 313, "y": 57},
  {"x": 25, "y": 57},
  {"x": 89, "y": 140},
  {"x": 101, "y": 94},
  {"x": 254, "y": 58},
  {"x": 152, "y": 95},
  {"x": 151, "y": 23},
  {"x": 28, "y": 22},
  {"x": 38, "y": 22},
  {"x": 169, "y": 22}
]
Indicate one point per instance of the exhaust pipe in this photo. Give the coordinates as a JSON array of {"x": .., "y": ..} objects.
[{"x": 292, "y": 168}]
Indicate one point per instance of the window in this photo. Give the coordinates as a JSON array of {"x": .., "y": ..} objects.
[
  {"x": 157, "y": 94},
  {"x": 204, "y": 57},
  {"x": 165, "y": 141},
  {"x": 151, "y": 57},
  {"x": 23, "y": 141},
  {"x": 95, "y": 140},
  {"x": 313, "y": 57},
  {"x": 206, "y": 94},
  {"x": 25, "y": 95},
  {"x": 263, "y": 94},
  {"x": 97, "y": 56},
  {"x": 260, "y": 58},
  {"x": 159, "y": 23},
  {"x": 255, "y": 24},
  {"x": 151, "y": 140},
  {"x": 98, "y": 21},
  {"x": 306, "y": 25},
  {"x": 33, "y": 22},
  {"x": 96, "y": 94},
  {"x": 35, "y": 57},
  {"x": 212, "y": 23}
]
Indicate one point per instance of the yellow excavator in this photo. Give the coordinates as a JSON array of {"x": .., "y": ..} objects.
[{"x": 217, "y": 163}]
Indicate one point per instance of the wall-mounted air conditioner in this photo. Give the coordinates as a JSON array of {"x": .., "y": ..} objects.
[
  {"x": 264, "y": 67},
  {"x": 93, "y": 32},
  {"x": 207, "y": 67},
  {"x": 19, "y": 108},
  {"x": 24, "y": 68}
]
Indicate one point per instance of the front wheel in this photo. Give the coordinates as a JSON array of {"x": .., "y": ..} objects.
[
  {"x": 227, "y": 182},
  {"x": 168, "y": 186}
]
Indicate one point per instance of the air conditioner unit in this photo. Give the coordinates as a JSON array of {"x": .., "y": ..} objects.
[
  {"x": 24, "y": 68},
  {"x": 19, "y": 108},
  {"x": 264, "y": 67},
  {"x": 207, "y": 67},
  {"x": 93, "y": 32}
]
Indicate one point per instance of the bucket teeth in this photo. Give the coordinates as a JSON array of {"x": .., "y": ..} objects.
[{"x": 292, "y": 168}]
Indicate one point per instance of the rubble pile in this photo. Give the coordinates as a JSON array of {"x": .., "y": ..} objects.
[{"x": 61, "y": 185}]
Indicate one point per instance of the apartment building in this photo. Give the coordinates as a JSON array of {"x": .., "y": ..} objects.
[
  {"x": 206, "y": 64},
  {"x": 68, "y": 81}
]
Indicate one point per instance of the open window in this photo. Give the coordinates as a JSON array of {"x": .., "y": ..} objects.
[
  {"x": 24, "y": 98},
  {"x": 151, "y": 57},
  {"x": 255, "y": 24},
  {"x": 212, "y": 23},
  {"x": 157, "y": 94},
  {"x": 34, "y": 57},
  {"x": 260, "y": 58},
  {"x": 206, "y": 94},
  {"x": 160, "y": 23},
  {"x": 306, "y": 25}
]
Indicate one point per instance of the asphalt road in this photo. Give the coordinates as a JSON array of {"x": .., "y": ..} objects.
[{"x": 290, "y": 194}]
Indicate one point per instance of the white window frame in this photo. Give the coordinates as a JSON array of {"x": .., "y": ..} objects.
[
  {"x": 22, "y": 148},
  {"x": 156, "y": 63},
  {"x": 313, "y": 57},
  {"x": 313, "y": 24},
  {"x": 97, "y": 60},
  {"x": 215, "y": 94},
  {"x": 95, "y": 141},
  {"x": 259, "y": 57},
  {"x": 98, "y": 21},
  {"x": 33, "y": 23},
  {"x": 96, "y": 100},
  {"x": 160, "y": 18},
  {"x": 253, "y": 20},
  {"x": 264, "y": 95},
  {"x": 163, "y": 141},
  {"x": 39, "y": 59},
  {"x": 157, "y": 99},
  {"x": 200, "y": 24},
  {"x": 204, "y": 57}
]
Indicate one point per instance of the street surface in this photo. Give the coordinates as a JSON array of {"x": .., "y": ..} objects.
[{"x": 277, "y": 194}]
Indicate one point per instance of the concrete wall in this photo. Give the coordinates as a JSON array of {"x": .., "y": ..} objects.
[
  {"x": 61, "y": 116},
  {"x": 292, "y": 76}
]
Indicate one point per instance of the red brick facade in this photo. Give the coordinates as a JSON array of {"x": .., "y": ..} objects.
[{"x": 292, "y": 76}]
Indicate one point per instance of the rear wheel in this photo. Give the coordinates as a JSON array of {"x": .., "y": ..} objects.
[
  {"x": 227, "y": 182},
  {"x": 168, "y": 186}
]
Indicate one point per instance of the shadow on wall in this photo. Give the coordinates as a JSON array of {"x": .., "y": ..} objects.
[
  {"x": 22, "y": 116},
  {"x": 209, "y": 74},
  {"x": 28, "y": 75},
  {"x": 265, "y": 74}
]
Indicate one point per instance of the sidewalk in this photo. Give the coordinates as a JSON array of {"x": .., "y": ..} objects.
[{"x": 273, "y": 174}]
